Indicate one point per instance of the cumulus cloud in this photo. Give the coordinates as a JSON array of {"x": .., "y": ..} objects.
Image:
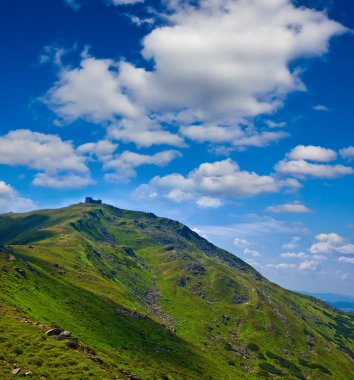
[
  {"x": 235, "y": 136},
  {"x": 302, "y": 168},
  {"x": 347, "y": 152},
  {"x": 251, "y": 252},
  {"x": 125, "y": 164},
  {"x": 94, "y": 91},
  {"x": 292, "y": 244},
  {"x": 209, "y": 202},
  {"x": 178, "y": 196},
  {"x": 210, "y": 183},
  {"x": 241, "y": 243},
  {"x": 224, "y": 55},
  {"x": 331, "y": 243},
  {"x": 11, "y": 201},
  {"x": 292, "y": 208},
  {"x": 216, "y": 65},
  {"x": 103, "y": 149},
  {"x": 273, "y": 124},
  {"x": 220, "y": 179},
  {"x": 309, "y": 265},
  {"x": 293, "y": 255},
  {"x": 62, "y": 181},
  {"x": 46, "y": 153},
  {"x": 297, "y": 163},
  {"x": 344, "y": 259},
  {"x": 39, "y": 151},
  {"x": 312, "y": 153},
  {"x": 126, "y": 2},
  {"x": 282, "y": 266},
  {"x": 144, "y": 132},
  {"x": 90, "y": 91},
  {"x": 245, "y": 246}
]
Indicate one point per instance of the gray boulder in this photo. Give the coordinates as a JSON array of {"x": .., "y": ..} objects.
[{"x": 55, "y": 331}]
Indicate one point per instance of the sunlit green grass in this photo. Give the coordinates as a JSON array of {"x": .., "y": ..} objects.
[{"x": 90, "y": 269}]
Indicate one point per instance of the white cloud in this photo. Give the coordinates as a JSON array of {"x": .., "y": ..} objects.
[
  {"x": 126, "y": 2},
  {"x": 125, "y": 164},
  {"x": 94, "y": 92},
  {"x": 209, "y": 202},
  {"x": 46, "y": 153},
  {"x": 90, "y": 91},
  {"x": 236, "y": 136},
  {"x": 102, "y": 149},
  {"x": 225, "y": 57},
  {"x": 39, "y": 151},
  {"x": 54, "y": 54},
  {"x": 309, "y": 265},
  {"x": 273, "y": 124},
  {"x": 178, "y": 196},
  {"x": 282, "y": 266},
  {"x": 216, "y": 66},
  {"x": 62, "y": 181},
  {"x": 344, "y": 259},
  {"x": 241, "y": 243},
  {"x": 293, "y": 255},
  {"x": 251, "y": 252},
  {"x": 331, "y": 243},
  {"x": 11, "y": 201},
  {"x": 302, "y": 168},
  {"x": 141, "y": 20},
  {"x": 296, "y": 163},
  {"x": 144, "y": 132},
  {"x": 346, "y": 249},
  {"x": 347, "y": 152},
  {"x": 294, "y": 208},
  {"x": 245, "y": 246},
  {"x": 312, "y": 153},
  {"x": 145, "y": 193},
  {"x": 220, "y": 179},
  {"x": 321, "y": 107}
]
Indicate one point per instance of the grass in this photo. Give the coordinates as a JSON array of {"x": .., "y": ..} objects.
[{"x": 113, "y": 278}]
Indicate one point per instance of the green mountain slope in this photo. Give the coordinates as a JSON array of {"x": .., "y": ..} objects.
[{"x": 147, "y": 298}]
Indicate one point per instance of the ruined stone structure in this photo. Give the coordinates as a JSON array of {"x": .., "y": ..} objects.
[{"x": 92, "y": 201}]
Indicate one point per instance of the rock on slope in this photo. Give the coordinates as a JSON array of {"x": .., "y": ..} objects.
[{"x": 147, "y": 298}]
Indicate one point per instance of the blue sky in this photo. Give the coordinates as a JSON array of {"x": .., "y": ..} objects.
[{"x": 232, "y": 116}]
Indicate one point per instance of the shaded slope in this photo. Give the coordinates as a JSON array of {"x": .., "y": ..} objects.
[{"x": 154, "y": 299}]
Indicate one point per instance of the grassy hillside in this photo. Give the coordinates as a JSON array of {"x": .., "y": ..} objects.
[{"x": 147, "y": 298}]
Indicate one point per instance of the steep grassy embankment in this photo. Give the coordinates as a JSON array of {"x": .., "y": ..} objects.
[{"x": 148, "y": 298}]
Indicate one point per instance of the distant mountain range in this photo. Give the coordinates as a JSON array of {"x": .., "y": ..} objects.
[{"x": 339, "y": 301}]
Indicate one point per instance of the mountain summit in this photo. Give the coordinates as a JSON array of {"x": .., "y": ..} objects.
[{"x": 91, "y": 291}]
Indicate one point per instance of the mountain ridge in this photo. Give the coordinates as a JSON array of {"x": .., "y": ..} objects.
[
  {"x": 338, "y": 301},
  {"x": 154, "y": 300}
]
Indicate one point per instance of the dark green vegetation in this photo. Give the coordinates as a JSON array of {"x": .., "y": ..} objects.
[{"x": 148, "y": 298}]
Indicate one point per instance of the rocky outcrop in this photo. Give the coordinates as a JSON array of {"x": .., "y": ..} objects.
[
  {"x": 239, "y": 299},
  {"x": 54, "y": 331}
]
